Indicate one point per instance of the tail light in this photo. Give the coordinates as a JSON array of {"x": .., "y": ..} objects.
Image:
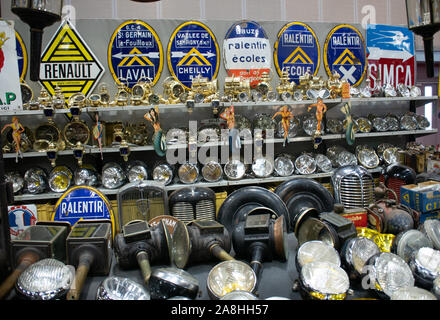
[
  {"x": 193, "y": 203},
  {"x": 141, "y": 201},
  {"x": 353, "y": 187}
]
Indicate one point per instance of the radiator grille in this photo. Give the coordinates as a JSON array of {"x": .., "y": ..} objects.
[
  {"x": 356, "y": 191},
  {"x": 205, "y": 210}
]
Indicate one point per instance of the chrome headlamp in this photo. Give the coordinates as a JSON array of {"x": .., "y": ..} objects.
[
  {"x": 379, "y": 124},
  {"x": 364, "y": 124},
  {"x": 422, "y": 122},
  {"x": 332, "y": 153},
  {"x": 137, "y": 171},
  {"x": 412, "y": 293},
  {"x": 165, "y": 283},
  {"x": 294, "y": 127},
  {"x": 118, "y": 288},
  {"x": 229, "y": 276},
  {"x": 163, "y": 173},
  {"x": 310, "y": 124},
  {"x": 415, "y": 92},
  {"x": 46, "y": 279},
  {"x": 323, "y": 281},
  {"x": 16, "y": 179},
  {"x": 284, "y": 166},
  {"x": 403, "y": 90},
  {"x": 407, "y": 243},
  {"x": 212, "y": 171},
  {"x": 391, "y": 155},
  {"x": 323, "y": 163},
  {"x": 86, "y": 176},
  {"x": 408, "y": 122},
  {"x": 368, "y": 158},
  {"x": 335, "y": 126},
  {"x": 392, "y": 122},
  {"x": 113, "y": 176},
  {"x": 316, "y": 250},
  {"x": 35, "y": 180},
  {"x": 239, "y": 295},
  {"x": 60, "y": 179},
  {"x": 431, "y": 228},
  {"x": 305, "y": 164},
  {"x": 176, "y": 136},
  {"x": 389, "y": 90},
  {"x": 425, "y": 265},
  {"x": 188, "y": 173},
  {"x": 387, "y": 273},
  {"x": 355, "y": 254},
  {"x": 346, "y": 158},
  {"x": 234, "y": 169},
  {"x": 262, "y": 167}
]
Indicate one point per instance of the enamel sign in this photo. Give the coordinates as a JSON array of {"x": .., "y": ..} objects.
[
  {"x": 297, "y": 51},
  {"x": 10, "y": 91},
  {"x": 345, "y": 53},
  {"x": 193, "y": 51},
  {"x": 135, "y": 53},
  {"x": 83, "y": 202},
  {"x": 20, "y": 218},
  {"x": 247, "y": 52},
  {"x": 67, "y": 62},
  {"x": 391, "y": 55},
  {"x": 22, "y": 57}
]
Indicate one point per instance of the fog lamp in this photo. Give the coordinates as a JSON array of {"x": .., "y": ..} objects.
[
  {"x": 46, "y": 279},
  {"x": 60, "y": 179},
  {"x": 170, "y": 282},
  {"x": 387, "y": 273},
  {"x": 230, "y": 276},
  {"x": 355, "y": 254},
  {"x": 412, "y": 293},
  {"x": 323, "y": 281},
  {"x": 407, "y": 243},
  {"x": 425, "y": 265},
  {"x": 118, "y": 288},
  {"x": 316, "y": 250}
]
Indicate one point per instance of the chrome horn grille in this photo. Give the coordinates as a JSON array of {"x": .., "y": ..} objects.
[
  {"x": 353, "y": 187},
  {"x": 193, "y": 203}
]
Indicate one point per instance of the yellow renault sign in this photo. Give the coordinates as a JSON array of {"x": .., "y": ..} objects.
[{"x": 69, "y": 63}]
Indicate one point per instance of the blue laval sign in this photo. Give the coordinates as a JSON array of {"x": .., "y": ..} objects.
[
  {"x": 82, "y": 202},
  {"x": 135, "y": 53},
  {"x": 297, "y": 51},
  {"x": 345, "y": 53},
  {"x": 193, "y": 51}
]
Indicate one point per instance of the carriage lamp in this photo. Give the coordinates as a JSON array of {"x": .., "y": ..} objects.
[
  {"x": 47, "y": 279},
  {"x": 230, "y": 276},
  {"x": 119, "y": 288},
  {"x": 38, "y": 14},
  {"x": 424, "y": 20}
]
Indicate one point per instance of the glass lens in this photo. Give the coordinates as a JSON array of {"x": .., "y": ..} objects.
[
  {"x": 235, "y": 169},
  {"x": 118, "y": 288},
  {"x": 317, "y": 251},
  {"x": 412, "y": 293},
  {"x": 325, "y": 277},
  {"x": 113, "y": 176},
  {"x": 262, "y": 167},
  {"x": 358, "y": 251},
  {"x": 409, "y": 242},
  {"x": 284, "y": 166},
  {"x": 163, "y": 173}
]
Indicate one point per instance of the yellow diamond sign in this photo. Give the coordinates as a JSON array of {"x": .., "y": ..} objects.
[{"x": 69, "y": 63}]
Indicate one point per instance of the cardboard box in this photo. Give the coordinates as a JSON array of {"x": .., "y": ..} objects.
[
  {"x": 430, "y": 215},
  {"x": 423, "y": 197}
]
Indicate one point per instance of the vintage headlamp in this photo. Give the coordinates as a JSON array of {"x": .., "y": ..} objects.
[
  {"x": 47, "y": 133},
  {"x": 188, "y": 173},
  {"x": 425, "y": 266},
  {"x": 118, "y": 288},
  {"x": 305, "y": 164},
  {"x": 35, "y": 180},
  {"x": 262, "y": 167},
  {"x": 86, "y": 176},
  {"x": 323, "y": 281},
  {"x": 230, "y": 276},
  {"x": 389, "y": 90},
  {"x": 169, "y": 282},
  {"x": 163, "y": 173},
  {"x": 391, "y": 155},
  {"x": 392, "y": 122},
  {"x": 415, "y": 92},
  {"x": 310, "y": 124},
  {"x": 122, "y": 96},
  {"x": 316, "y": 250},
  {"x": 234, "y": 169},
  {"x": 104, "y": 95},
  {"x": 412, "y": 293},
  {"x": 113, "y": 176},
  {"x": 379, "y": 123},
  {"x": 323, "y": 163},
  {"x": 294, "y": 128},
  {"x": 355, "y": 254},
  {"x": 408, "y": 122},
  {"x": 76, "y": 131},
  {"x": 47, "y": 279},
  {"x": 431, "y": 228},
  {"x": 27, "y": 94},
  {"x": 137, "y": 171},
  {"x": 407, "y": 243},
  {"x": 346, "y": 158},
  {"x": 334, "y": 126},
  {"x": 172, "y": 90},
  {"x": 387, "y": 273},
  {"x": 60, "y": 179},
  {"x": 422, "y": 122},
  {"x": 368, "y": 158},
  {"x": 284, "y": 165},
  {"x": 212, "y": 171},
  {"x": 364, "y": 124},
  {"x": 16, "y": 180}
]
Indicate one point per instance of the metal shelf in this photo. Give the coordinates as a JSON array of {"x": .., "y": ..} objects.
[
  {"x": 131, "y": 108},
  {"x": 95, "y": 150},
  {"x": 176, "y": 186}
]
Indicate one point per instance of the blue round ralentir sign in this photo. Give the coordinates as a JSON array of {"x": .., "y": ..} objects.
[
  {"x": 83, "y": 203},
  {"x": 192, "y": 51},
  {"x": 345, "y": 53},
  {"x": 297, "y": 51},
  {"x": 135, "y": 53}
]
